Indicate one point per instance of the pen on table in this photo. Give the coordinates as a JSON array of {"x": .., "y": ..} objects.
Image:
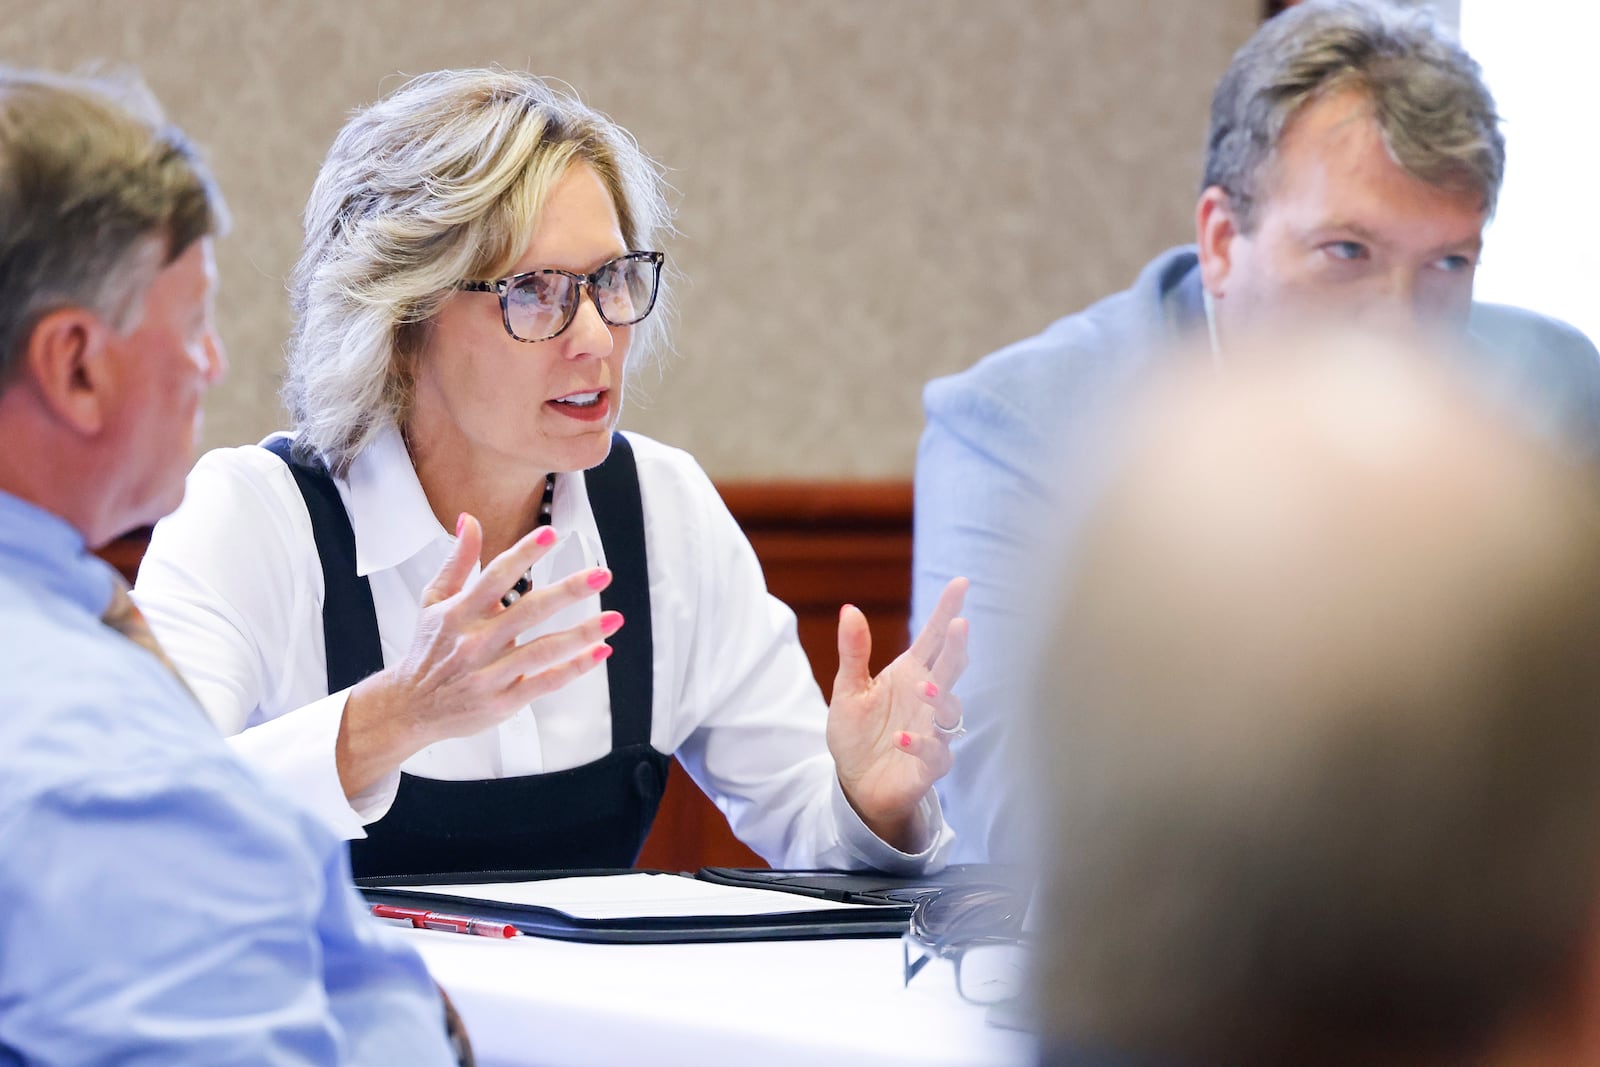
[{"x": 433, "y": 920}]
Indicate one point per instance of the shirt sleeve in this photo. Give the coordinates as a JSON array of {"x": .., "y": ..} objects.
[
  {"x": 232, "y": 591},
  {"x": 758, "y": 744},
  {"x": 163, "y": 915},
  {"x": 297, "y": 752}
]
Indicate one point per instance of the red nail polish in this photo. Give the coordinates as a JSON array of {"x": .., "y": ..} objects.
[
  {"x": 461, "y": 523},
  {"x": 610, "y": 622},
  {"x": 601, "y": 652},
  {"x": 931, "y": 690},
  {"x": 545, "y": 537},
  {"x": 904, "y": 740},
  {"x": 597, "y": 579}
]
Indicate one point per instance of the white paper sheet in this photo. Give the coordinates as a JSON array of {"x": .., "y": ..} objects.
[{"x": 620, "y": 896}]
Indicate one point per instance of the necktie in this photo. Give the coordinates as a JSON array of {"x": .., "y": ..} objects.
[{"x": 125, "y": 617}]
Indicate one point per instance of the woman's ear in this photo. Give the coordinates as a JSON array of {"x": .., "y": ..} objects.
[
  {"x": 1216, "y": 227},
  {"x": 65, "y": 357}
]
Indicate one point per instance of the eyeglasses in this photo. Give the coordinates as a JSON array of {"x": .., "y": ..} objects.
[
  {"x": 978, "y": 928},
  {"x": 539, "y": 304}
]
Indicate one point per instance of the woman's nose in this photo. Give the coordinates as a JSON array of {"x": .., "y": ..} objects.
[{"x": 588, "y": 335}]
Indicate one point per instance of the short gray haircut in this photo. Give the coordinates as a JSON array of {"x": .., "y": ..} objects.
[
  {"x": 442, "y": 180},
  {"x": 1436, "y": 115},
  {"x": 98, "y": 192}
]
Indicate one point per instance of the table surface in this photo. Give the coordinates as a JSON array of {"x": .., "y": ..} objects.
[{"x": 529, "y": 1001}]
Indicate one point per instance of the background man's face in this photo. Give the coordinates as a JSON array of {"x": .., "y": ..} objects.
[
  {"x": 1341, "y": 231},
  {"x": 165, "y": 363}
]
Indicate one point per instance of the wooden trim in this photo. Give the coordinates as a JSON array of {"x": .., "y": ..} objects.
[
  {"x": 827, "y": 506},
  {"x": 821, "y": 545},
  {"x": 126, "y": 551},
  {"x": 826, "y": 544}
]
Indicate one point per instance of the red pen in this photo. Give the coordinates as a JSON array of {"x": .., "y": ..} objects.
[{"x": 433, "y": 920}]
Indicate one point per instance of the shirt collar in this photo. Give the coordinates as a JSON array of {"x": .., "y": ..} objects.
[
  {"x": 388, "y": 509},
  {"x": 1174, "y": 279},
  {"x": 1186, "y": 305},
  {"x": 41, "y": 547}
]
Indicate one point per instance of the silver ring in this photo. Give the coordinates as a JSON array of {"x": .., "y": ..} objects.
[{"x": 950, "y": 733}]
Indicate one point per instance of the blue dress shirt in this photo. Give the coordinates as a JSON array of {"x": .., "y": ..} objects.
[
  {"x": 156, "y": 905},
  {"x": 1010, "y": 457}
]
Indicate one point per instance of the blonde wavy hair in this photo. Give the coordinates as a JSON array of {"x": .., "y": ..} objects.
[{"x": 444, "y": 179}]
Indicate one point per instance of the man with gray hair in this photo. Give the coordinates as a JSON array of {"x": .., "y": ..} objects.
[
  {"x": 159, "y": 907},
  {"x": 1320, "y": 703},
  {"x": 1353, "y": 160}
]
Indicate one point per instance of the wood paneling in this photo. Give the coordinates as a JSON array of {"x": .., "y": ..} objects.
[
  {"x": 822, "y": 545},
  {"x": 126, "y": 551}
]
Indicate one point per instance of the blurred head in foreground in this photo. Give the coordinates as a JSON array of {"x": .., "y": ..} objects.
[{"x": 1323, "y": 701}]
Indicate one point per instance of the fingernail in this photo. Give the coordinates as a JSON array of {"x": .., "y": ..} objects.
[
  {"x": 601, "y": 653},
  {"x": 844, "y": 608},
  {"x": 461, "y": 523},
  {"x": 903, "y": 740},
  {"x": 599, "y": 578},
  {"x": 931, "y": 690},
  {"x": 545, "y": 537},
  {"x": 610, "y": 622}
]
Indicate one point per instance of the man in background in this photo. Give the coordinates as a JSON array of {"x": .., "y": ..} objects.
[
  {"x": 1353, "y": 160},
  {"x": 159, "y": 908},
  {"x": 1320, "y": 704}
]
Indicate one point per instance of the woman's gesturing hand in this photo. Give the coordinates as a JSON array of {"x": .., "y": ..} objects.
[
  {"x": 464, "y": 671},
  {"x": 884, "y": 732}
]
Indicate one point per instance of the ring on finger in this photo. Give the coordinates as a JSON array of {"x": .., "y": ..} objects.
[
  {"x": 523, "y": 587},
  {"x": 950, "y": 733}
]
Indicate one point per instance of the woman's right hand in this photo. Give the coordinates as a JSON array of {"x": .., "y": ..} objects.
[{"x": 465, "y": 672}]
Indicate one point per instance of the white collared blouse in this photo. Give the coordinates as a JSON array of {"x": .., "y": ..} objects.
[{"x": 232, "y": 586}]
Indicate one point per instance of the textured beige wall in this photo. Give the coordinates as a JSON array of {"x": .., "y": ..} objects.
[{"x": 873, "y": 192}]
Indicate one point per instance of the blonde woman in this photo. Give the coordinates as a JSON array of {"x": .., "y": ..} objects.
[{"x": 479, "y": 277}]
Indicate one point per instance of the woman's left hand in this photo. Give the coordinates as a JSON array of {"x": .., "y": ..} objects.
[{"x": 881, "y": 730}]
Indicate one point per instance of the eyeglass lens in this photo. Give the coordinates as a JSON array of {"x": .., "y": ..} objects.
[
  {"x": 989, "y": 974},
  {"x": 541, "y": 304}
]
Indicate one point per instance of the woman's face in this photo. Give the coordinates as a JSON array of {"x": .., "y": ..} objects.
[{"x": 550, "y": 404}]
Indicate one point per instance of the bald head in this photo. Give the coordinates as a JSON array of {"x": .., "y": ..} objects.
[{"x": 1328, "y": 699}]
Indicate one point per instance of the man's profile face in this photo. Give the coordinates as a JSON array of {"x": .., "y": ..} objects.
[
  {"x": 1342, "y": 232},
  {"x": 165, "y": 362}
]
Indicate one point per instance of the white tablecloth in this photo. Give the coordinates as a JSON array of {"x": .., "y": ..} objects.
[{"x": 529, "y": 1001}]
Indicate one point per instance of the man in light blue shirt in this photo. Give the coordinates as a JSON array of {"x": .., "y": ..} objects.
[
  {"x": 156, "y": 906},
  {"x": 1354, "y": 158}
]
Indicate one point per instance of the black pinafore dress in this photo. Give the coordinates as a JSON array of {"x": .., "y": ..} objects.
[{"x": 595, "y": 815}]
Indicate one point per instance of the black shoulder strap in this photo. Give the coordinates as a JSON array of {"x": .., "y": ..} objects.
[
  {"x": 349, "y": 621},
  {"x": 618, "y": 508}
]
